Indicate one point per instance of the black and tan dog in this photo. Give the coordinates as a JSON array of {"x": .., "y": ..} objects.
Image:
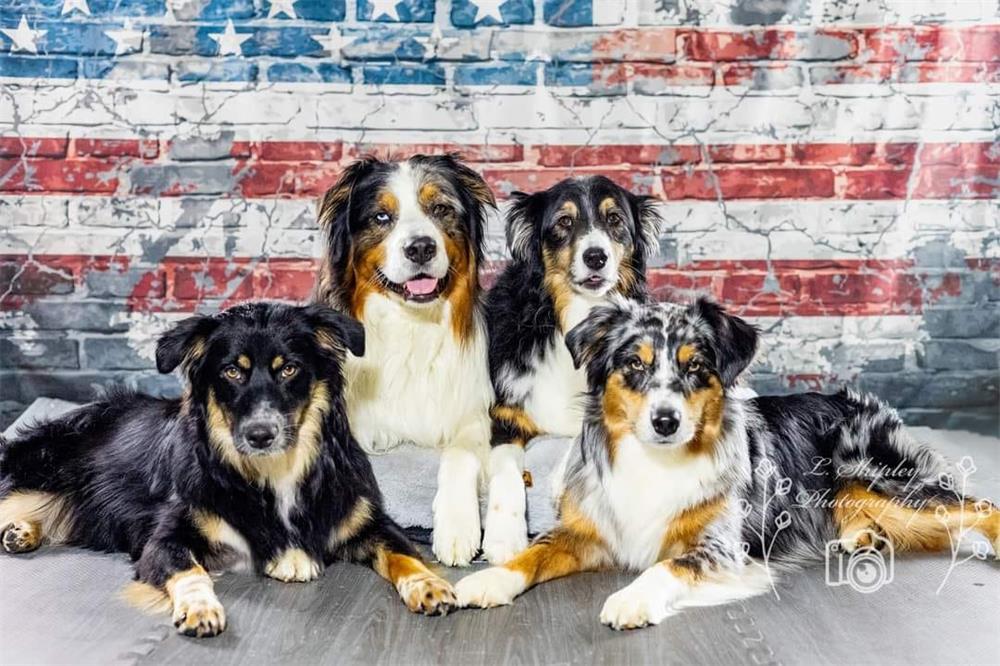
[
  {"x": 255, "y": 465},
  {"x": 674, "y": 476},
  {"x": 574, "y": 246}
]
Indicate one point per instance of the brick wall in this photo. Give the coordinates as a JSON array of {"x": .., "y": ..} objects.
[{"x": 829, "y": 168}]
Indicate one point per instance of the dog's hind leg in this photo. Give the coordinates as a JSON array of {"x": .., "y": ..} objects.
[{"x": 27, "y": 517}]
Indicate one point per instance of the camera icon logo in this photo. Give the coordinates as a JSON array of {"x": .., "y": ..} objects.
[{"x": 866, "y": 567}]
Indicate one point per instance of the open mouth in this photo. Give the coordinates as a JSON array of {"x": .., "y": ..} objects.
[
  {"x": 421, "y": 288},
  {"x": 594, "y": 282}
]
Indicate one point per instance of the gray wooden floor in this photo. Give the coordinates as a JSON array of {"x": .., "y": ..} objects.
[{"x": 59, "y": 606}]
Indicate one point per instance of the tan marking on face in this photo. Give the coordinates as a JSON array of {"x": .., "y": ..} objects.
[
  {"x": 351, "y": 525},
  {"x": 645, "y": 352},
  {"x": 685, "y": 530},
  {"x": 607, "y": 205},
  {"x": 462, "y": 289},
  {"x": 243, "y": 361},
  {"x": 685, "y": 353},
  {"x": 278, "y": 361},
  {"x": 517, "y": 417},
  {"x": 621, "y": 407},
  {"x": 705, "y": 407},
  {"x": 388, "y": 203},
  {"x": 570, "y": 208},
  {"x": 557, "y": 282},
  {"x": 428, "y": 194},
  {"x": 366, "y": 265}
]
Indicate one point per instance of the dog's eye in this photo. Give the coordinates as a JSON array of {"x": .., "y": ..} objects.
[
  {"x": 289, "y": 370},
  {"x": 383, "y": 218},
  {"x": 693, "y": 366},
  {"x": 441, "y": 210},
  {"x": 232, "y": 373},
  {"x": 615, "y": 220},
  {"x": 635, "y": 364},
  {"x": 564, "y": 223}
]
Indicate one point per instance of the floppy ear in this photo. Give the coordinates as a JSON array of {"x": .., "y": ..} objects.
[
  {"x": 346, "y": 330},
  {"x": 649, "y": 223},
  {"x": 522, "y": 226},
  {"x": 334, "y": 214},
  {"x": 481, "y": 198},
  {"x": 588, "y": 340},
  {"x": 184, "y": 343},
  {"x": 735, "y": 340}
]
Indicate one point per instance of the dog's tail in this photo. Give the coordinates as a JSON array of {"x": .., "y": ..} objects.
[
  {"x": 891, "y": 487},
  {"x": 145, "y": 597}
]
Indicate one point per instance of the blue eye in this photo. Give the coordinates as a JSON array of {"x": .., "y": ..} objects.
[{"x": 383, "y": 218}]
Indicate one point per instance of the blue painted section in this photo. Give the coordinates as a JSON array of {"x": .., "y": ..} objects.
[
  {"x": 570, "y": 13},
  {"x": 297, "y": 72},
  {"x": 98, "y": 9},
  {"x": 310, "y": 10},
  {"x": 585, "y": 75},
  {"x": 412, "y": 11},
  {"x": 106, "y": 68},
  {"x": 66, "y": 37},
  {"x": 464, "y": 12},
  {"x": 229, "y": 69},
  {"x": 503, "y": 74},
  {"x": 292, "y": 41},
  {"x": 223, "y": 9},
  {"x": 385, "y": 43},
  {"x": 36, "y": 67},
  {"x": 404, "y": 74}
]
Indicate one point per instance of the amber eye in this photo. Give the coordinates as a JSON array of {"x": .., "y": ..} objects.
[
  {"x": 232, "y": 373},
  {"x": 289, "y": 370},
  {"x": 615, "y": 220},
  {"x": 383, "y": 218},
  {"x": 635, "y": 364},
  {"x": 441, "y": 210},
  {"x": 693, "y": 366},
  {"x": 564, "y": 223}
]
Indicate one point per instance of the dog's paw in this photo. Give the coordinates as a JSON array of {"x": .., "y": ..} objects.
[
  {"x": 427, "y": 594},
  {"x": 632, "y": 608},
  {"x": 496, "y": 586},
  {"x": 293, "y": 566},
  {"x": 456, "y": 535},
  {"x": 21, "y": 537},
  {"x": 506, "y": 535},
  {"x": 200, "y": 616}
]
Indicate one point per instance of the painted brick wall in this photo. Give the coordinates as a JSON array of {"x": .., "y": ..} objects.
[{"x": 829, "y": 167}]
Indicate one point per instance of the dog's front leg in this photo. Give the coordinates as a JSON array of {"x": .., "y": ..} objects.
[
  {"x": 506, "y": 532},
  {"x": 457, "y": 532},
  {"x": 170, "y": 563}
]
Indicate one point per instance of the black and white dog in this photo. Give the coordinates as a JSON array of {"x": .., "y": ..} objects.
[
  {"x": 254, "y": 466},
  {"x": 573, "y": 246},
  {"x": 675, "y": 477},
  {"x": 404, "y": 249}
]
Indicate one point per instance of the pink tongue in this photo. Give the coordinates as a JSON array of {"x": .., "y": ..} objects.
[{"x": 422, "y": 286}]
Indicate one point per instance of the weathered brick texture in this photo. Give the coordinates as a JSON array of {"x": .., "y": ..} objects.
[{"x": 829, "y": 169}]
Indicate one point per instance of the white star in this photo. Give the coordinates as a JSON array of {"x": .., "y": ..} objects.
[
  {"x": 487, "y": 9},
  {"x": 24, "y": 37},
  {"x": 79, "y": 5},
  {"x": 433, "y": 42},
  {"x": 386, "y": 7},
  {"x": 333, "y": 42},
  {"x": 127, "y": 40},
  {"x": 282, "y": 7},
  {"x": 229, "y": 40}
]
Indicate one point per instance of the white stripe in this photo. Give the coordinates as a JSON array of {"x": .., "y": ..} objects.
[
  {"x": 701, "y": 230},
  {"x": 959, "y": 112},
  {"x": 823, "y": 12}
]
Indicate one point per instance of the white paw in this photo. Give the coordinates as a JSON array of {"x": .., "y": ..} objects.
[
  {"x": 293, "y": 566},
  {"x": 506, "y": 535},
  {"x": 199, "y": 616},
  {"x": 456, "y": 534},
  {"x": 496, "y": 586},
  {"x": 645, "y": 601}
]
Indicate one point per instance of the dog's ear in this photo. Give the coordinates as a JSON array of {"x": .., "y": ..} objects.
[
  {"x": 648, "y": 222},
  {"x": 734, "y": 340},
  {"x": 481, "y": 199},
  {"x": 588, "y": 341},
  {"x": 345, "y": 331},
  {"x": 335, "y": 208},
  {"x": 522, "y": 226},
  {"x": 184, "y": 343}
]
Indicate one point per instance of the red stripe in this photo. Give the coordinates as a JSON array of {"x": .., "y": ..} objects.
[
  {"x": 751, "y": 287},
  {"x": 306, "y": 169}
]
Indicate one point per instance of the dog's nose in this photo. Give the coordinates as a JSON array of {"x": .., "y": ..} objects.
[
  {"x": 665, "y": 422},
  {"x": 594, "y": 258},
  {"x": 421, "y": 249},
  {"x": 260, "y": 435}
]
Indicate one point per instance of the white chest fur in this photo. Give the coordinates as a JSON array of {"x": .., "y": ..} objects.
[
  {"x": 554, "y": 398},
  {"x": 416, "y": 382},
  {"x": 646, "y": 489}
]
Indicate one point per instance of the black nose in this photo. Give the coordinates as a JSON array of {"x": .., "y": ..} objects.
[
  {"x": 260, "y": 435},
  {"x": 594, "y": 258},
  {"x": 421, "y": 249},
  {"x": 665, "y": 422}
]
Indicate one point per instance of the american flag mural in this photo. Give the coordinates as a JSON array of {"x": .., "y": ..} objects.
[{"x": 829, "y": 168}]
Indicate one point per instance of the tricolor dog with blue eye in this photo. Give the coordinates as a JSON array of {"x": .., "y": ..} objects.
[
  {"x": 574, "y": 246},
  {"x": 674, "y": 476},
  {"x": 254, "y": 467}
]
